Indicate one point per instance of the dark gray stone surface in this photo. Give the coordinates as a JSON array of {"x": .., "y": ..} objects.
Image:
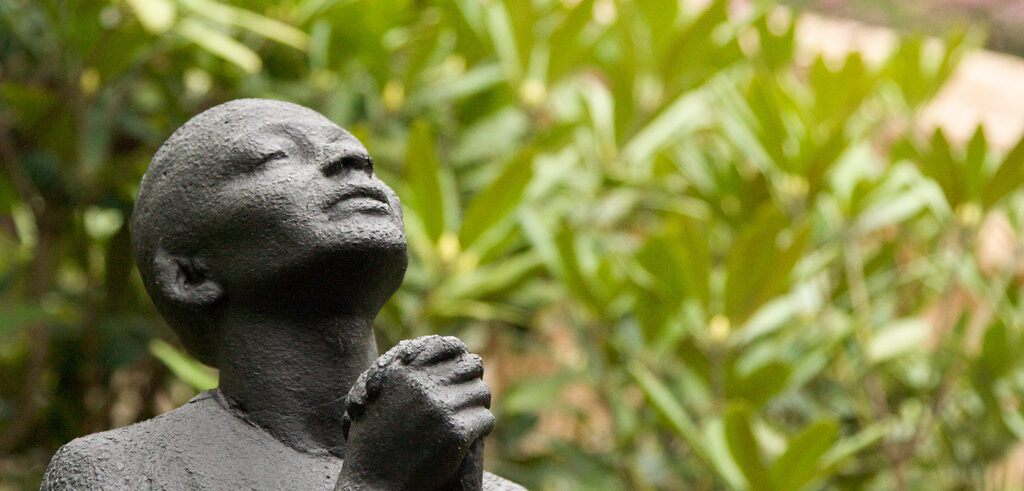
[
  {"x": 201, "y": 445},
  {"x": 269, "y": 245}
]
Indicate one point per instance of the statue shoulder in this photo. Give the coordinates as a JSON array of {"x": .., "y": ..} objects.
[
  {"x": 494, "y": 482},
  {"x": 84, "y": 463},
  {"x": 119, "y": 458}
]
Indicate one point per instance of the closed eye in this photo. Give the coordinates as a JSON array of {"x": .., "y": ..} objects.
[{"x": 270, "y": 157}]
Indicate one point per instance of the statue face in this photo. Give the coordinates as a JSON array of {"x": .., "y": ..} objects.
[{"x": 296, "y": 202}]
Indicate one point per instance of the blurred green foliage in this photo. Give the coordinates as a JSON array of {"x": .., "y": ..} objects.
[{"x": 693, "y": 257}]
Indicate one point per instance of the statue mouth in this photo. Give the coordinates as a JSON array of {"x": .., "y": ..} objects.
[{"x": 359, "y": 198}]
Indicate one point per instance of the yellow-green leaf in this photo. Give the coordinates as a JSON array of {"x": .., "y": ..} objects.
[
  {"x": 422, "y": 174},
  {"x": 220, "y": 44},
  {"x": 495, "y": 202},
  {"x": 743, "y": 446},
  {"x": 801, "y": 462},
  {"x": 156, "y": 16},
  {"x": 190, "y": 371},
  {"x": 247, "y": 19}
]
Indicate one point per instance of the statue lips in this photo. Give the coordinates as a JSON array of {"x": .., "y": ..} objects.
[{"x": 359, "y": 198}]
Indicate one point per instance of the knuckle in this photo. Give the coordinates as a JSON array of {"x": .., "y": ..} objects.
[
  {"x": 482, "y": 395},
  {"x": 479, "y": 421},
  {"x": 486, "y": 400},
  {"x": 475, "y": 361},
  {"x": 481, "y": 386},
  {"x": 455, "y": 343},
  {"x": 453, "y": 340}
]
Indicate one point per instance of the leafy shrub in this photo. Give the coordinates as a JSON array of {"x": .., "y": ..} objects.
[{"x": 693, "y": 256}]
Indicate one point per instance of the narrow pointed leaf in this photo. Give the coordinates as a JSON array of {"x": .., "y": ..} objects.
[
  {"x": 190, "y": 371},
  {"x": 669, "y": 408},
  {"x": 743, "y": 446},
  {"x": 801, "y": 462},
  {"x": 1008, "y": 177},
  {"x": 252, "y": 21},
  {"x": 502, "y": 196},
  {"x": 974, "y": 163},
  {"x": 422, "y": 173},
  {"x": 220, "y": 44}
]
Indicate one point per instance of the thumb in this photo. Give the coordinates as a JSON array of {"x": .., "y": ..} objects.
[{"x": 470, "y": 474}]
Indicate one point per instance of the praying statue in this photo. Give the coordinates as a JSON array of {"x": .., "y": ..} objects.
[{"x": 269, "y": 245}]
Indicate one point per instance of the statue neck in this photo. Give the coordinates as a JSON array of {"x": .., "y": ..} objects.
[{"x": 291, "y": 377}]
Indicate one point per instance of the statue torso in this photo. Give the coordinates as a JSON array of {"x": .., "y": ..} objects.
[{"x": 201, "y": 445}]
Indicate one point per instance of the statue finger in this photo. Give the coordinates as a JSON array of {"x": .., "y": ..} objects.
[
  {"x": 475, "y": 423},
  {"x": 469, "y": 395},
  {"x": 436, "y": 349},
  {"x": 465, "y": 368}
]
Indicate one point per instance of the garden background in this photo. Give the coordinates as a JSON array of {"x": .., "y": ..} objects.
[{"x": 693, "y": 254}]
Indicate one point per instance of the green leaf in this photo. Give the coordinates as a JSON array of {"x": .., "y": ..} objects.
[
  {"x": 666, "y": 405},
  {"x": 220, "y": 44},
  {"x": 156, "y": 16},
  {"x": 898, "y": 339},
  {"x": 758, "y": 268},
  {"x": 572, "y": 274},
  {"x": 534, "y": 395},
  {"x": 974, "y": 163},
  {"x": 565, "y": 44},
  {"x": 490, "y": 278},
  {"x": 499, "y": 27},
  {"x": 801, "y": 463},
  {"x": 660, "y": 18},
  {"x": 474, "y": 81},
  {"x": 743, "y": 446},
  {"x": 501, "y": 197},
  {"x": 678, "y": 259},
  {"x": 850, "y": 446},
  {"x": 679, "y": 119},
  {"x": 776, "y": 50},
  {"x": 896, "y": 206},
  {"x": 421, "y": 48},
  {"x": 998, "y": 353},
  {"x": 600, "y": 104},
  {"x": 1007, "y": 178},
  {"x": 252, "y": 21},
  {"x": 763, "y": 101},
  {"x": 718, "y": 452},
  {"x": 541, "y": 239},
  {"x": 694, "y": 39},
  {"x": 940, "y": 166},
  {"x": 190, "y": 371},
  {"x": 422, "y": 174},
  {"x": 759, "y": 386}
]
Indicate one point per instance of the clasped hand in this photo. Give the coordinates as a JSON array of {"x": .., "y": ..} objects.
[{"x": 416, "y": 419}]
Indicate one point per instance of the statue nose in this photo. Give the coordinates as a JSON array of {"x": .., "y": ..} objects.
[{"x": 347, "y": 163}]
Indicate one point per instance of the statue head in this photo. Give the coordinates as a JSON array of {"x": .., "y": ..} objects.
[{"x": 269, "y": 208}]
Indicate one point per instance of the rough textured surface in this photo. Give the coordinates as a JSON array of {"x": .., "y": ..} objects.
[
  {"x": 269, "y": 245},
  {"x": 201, "y": 445}
]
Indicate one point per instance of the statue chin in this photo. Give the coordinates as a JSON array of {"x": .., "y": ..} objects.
[{"x": 349, "y": 278}]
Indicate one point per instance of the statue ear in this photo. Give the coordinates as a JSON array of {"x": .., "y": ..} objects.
[{"x": 185, "y": 281}]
